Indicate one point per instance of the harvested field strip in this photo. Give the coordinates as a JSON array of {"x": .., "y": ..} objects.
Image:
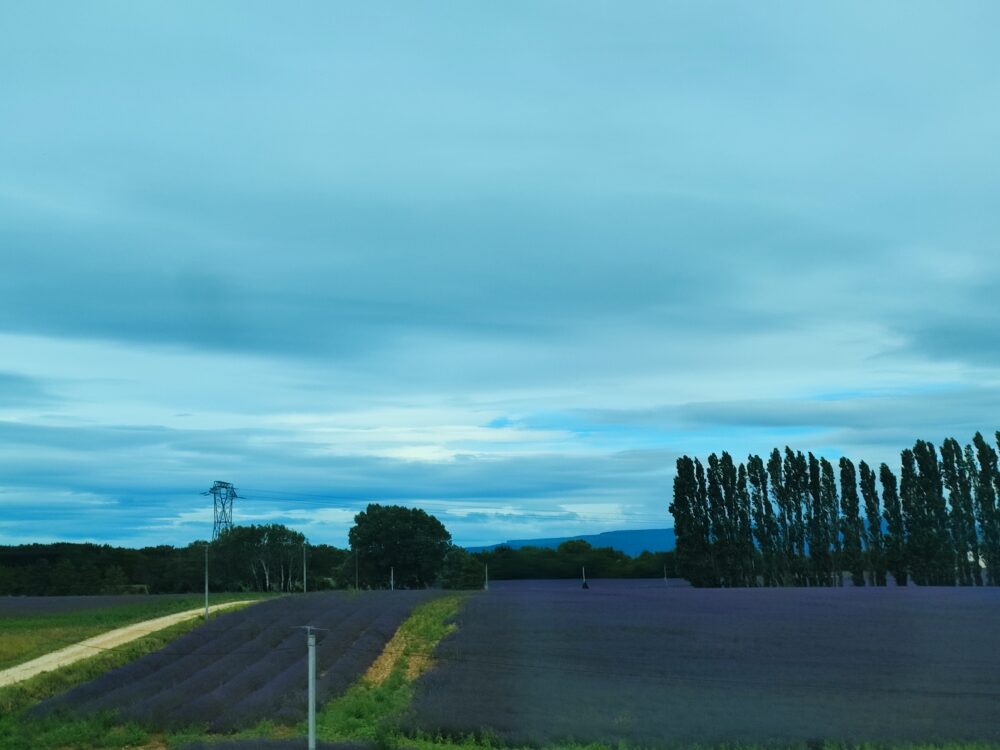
[
  {"x": 18, "y": 730},
  {"x": 33, "y": 626},
  {"x": 103, "y": 642}
]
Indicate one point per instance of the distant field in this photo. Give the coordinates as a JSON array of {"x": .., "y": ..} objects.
[
  {"x": 34, "y": 625},
  {"x": 535, "y": 662}
]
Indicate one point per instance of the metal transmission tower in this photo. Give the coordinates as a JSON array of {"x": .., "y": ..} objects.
[{"x": 223, "y": 494}]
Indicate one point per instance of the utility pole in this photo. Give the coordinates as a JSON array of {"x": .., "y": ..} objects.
[
  {"x": 303, "y": 568},
  {"x": 486, "y": 581},
  {"x": 206, "y": 580},
  {"x": 311, "y": 643},
  {"x": 356, "y": 586}
]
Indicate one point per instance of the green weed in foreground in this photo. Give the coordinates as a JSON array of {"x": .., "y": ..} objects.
[{"x": 25, "y": 638}]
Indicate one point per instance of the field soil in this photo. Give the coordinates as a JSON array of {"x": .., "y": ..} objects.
[{"x": 89, "y": 647}]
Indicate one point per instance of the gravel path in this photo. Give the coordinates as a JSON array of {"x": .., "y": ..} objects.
[{"x": 92, "y": 646}]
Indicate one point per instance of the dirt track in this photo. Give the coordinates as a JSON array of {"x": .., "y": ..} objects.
[{"x": 98, "y": 643}]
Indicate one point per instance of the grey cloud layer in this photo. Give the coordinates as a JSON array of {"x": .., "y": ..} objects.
[{"x": 646, "y": 229}]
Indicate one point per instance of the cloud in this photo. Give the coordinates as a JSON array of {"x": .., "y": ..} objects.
[{"x": 341, "y": 255}]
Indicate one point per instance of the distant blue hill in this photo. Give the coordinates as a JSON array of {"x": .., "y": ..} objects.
[{"x": 631, "y": 543}]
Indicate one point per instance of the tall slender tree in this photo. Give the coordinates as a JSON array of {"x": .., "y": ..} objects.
[
  {"x": 874, "y": 543},
  {"x": 851, "y": 525},
  {"x": 987, "y": 482},
  {"x": 961, "y": 517},
  {"x": 817, "y": 528},
  {"x": 783, "y": 544},
  {"x": 765, "y": 527},
  {"x": 747, "y": 556},
  {"x": 895, "y": 541},
  {"x": 831, "y": 505},
  {"x": 939, "y": 551},
  {"x": 694, "y": 560}
]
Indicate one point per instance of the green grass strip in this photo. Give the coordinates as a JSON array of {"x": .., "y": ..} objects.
[{"x": 25, "y": 638}]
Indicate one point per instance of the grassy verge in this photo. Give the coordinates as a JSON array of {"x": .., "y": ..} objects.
[
  {"x": 370, "y": 709},
  {"x": 19, "y": 731},
  {"x": 25, "y": 638}
]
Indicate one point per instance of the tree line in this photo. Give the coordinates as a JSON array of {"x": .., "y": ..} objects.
[
  {"x": 798, "y": 520},
  {"x": 246, "y": 558}
]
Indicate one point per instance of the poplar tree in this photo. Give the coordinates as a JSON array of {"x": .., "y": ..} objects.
[
  {"x": 851, "y": 523},
  {"x": 777, "y": 477},
  {"x": 765, "y": 527},
  {"x": 817, "y": 528},
  {"x": 972, "y": 472},
  {"x": 939, "y": 548},
  {"x": 961, "y": 518},
  {"x": 797, "y": 488},
  {"x": 987, "y": 484},
  {"x": 831, "y": 508},
  {"x": 895, "y": 541},
  {"x": 690, "y": 528},
  {"x": 747, "y": 553},
  {"x": 913, "y": 512},
  {"x": 874, "y": 543},
  {"x": 730, "y": 502}
]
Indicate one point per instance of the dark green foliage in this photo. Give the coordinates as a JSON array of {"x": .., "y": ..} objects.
[
  {"x": 691, "y": 526},
  {"x": 987, "y": 487},
  {"x": 461, "y": 570},
  {"x": 569, "y": 557},
  {"x": 765, "y": 527},
  {"x": 407, "y": 543},
  {"x": 934, "y": 558},
  {"x": 831, "y": 516},
  {"x": 86, "y": 569},
  {"x": 259, "y": 558},
  {"x": 783, "y": 539},
  {"x": 895, "y": 541},
  {"x": 874, "y": 543},
  {"x": 786, "y": 524},
  {"x": 851, "y": 526},
  {"x": 746, "y": 552},
  {"x": 962, "y": 519}
]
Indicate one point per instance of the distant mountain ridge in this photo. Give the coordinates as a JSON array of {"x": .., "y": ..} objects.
[{"x": 631, "y": 543}]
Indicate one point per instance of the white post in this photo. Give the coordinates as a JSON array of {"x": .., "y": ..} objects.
[
  {"x": 392, "y": 579},
  {"x": 206, "y": 580},
  {"x": 311, "y": 642},
  {"x": 486, "y": 582},
  {"x": 303, "y": 568}
]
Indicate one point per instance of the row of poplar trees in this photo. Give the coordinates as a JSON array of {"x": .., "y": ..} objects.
[{"x": 796, "y": 520}]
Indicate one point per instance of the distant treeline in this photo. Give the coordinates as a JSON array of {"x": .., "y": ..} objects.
[
  {"x": 786, "y": 522},
  {"x": 569, "y": 557},
  {"x": 249, "y": 558},
  {"x": 269, "y": 558}
]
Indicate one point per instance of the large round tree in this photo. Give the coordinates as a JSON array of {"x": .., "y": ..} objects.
[{"x": 408, "y": 541}]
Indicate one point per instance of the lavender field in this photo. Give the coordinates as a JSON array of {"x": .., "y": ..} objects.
[
  {"x": 654, "y": 664},
  {"x": 249, "y": 665}
]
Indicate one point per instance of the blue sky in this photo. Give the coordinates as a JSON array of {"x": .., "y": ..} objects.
[{"x": 503, "y": 261}]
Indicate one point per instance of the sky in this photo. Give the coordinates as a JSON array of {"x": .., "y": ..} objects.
[{"x": 501, "y": 261}]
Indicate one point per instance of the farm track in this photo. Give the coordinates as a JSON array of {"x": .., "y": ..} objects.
[{"x": 91, "y": 646}]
